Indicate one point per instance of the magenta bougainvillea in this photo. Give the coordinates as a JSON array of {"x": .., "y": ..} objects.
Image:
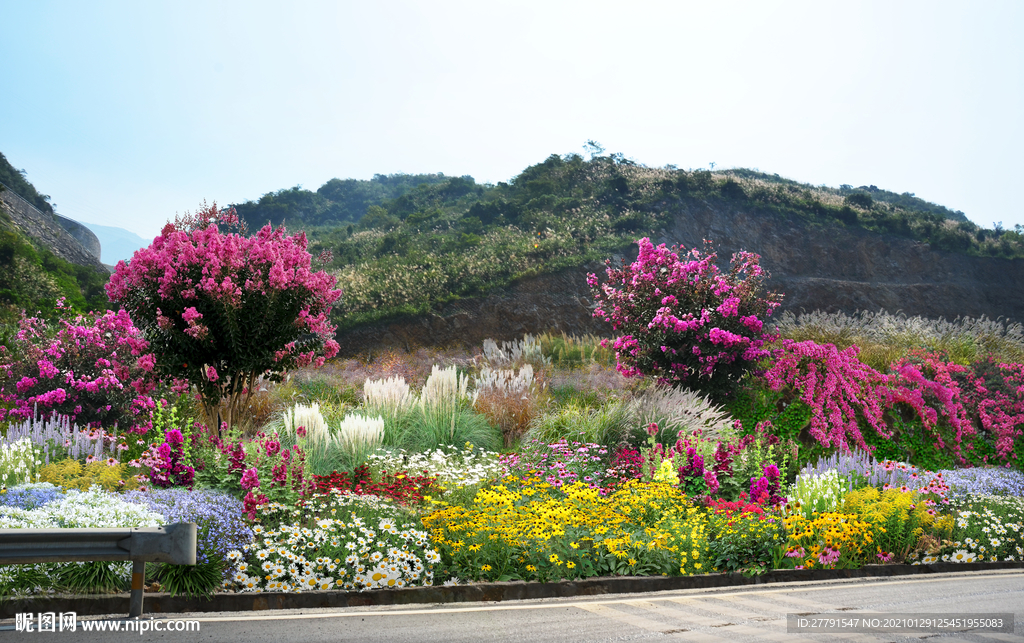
[
  {"x": 684, "y": 321},
  {"x": 952, "y": 401},
  {"x": 222, "y": 310},
  {"x": 836, "y": 385},
  {"x": 95, "y": 369}
]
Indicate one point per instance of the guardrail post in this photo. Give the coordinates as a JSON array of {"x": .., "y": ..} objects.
[{"x": 138, "y": 587}]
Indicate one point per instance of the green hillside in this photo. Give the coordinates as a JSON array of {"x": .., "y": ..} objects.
[
  {"x": 451, "y": 237},
  {"x": 15, "y": 180}
]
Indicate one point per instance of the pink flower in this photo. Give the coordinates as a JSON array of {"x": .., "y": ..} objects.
[
  {"x": 250, "y": 479},
  {"x": 211, "y": 374}
]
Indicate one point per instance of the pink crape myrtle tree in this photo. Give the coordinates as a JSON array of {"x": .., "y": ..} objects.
[
  {"x": 221, "y": 309},
  {"x": 684, "y": 321},
  {"x": 95, "y": 369}
]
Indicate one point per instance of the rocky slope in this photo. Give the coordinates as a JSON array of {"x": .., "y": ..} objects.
[
  {"x": 832, "y": 268},
  {"x": 51, "y": 233}
]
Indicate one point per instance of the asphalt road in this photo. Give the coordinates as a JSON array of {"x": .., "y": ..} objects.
[{"x": 733, "y": 615}]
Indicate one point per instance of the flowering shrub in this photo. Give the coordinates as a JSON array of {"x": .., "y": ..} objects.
[
  {"x": 987, "y": 397},
  {"x": 685, "y": 322},
  {"x": 984, "y": 481},
  {"x": 94, "y": 369},
  {"x": 559, "y": 463},
  {"x": 836, "y": 386},
  {"x": 829, "y": 540},
  {"x": 19, "y": 462},
  {"x": 363, "y": 545},
  {"x": 222, "y": 310},
  {"x": 451, "y": 470},
  {"x": 529, "y": 530},
  {"x": 399, "y": 486},
  {"x": 31, "y": 496}
]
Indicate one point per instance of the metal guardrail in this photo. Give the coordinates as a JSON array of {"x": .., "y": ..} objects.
[{"x": 174, "y": 544}]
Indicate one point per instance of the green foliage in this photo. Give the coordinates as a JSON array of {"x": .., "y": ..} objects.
[
  {"x": 427, "y": 429},
  {"x": 34, "y": 280},
  {"x": 15, "y": 180},
  {"x": 606, "y": 425},
  {"x": 336, "y": 202},
  {"x": 93, "y": 577},
  {"x": 570, "y": 351},
  {"x": 191, "y": 580}
]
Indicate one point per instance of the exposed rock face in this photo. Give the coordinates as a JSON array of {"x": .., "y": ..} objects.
[
  {"x": 829, "y": 268},
  {"x": 46, "y": 229},
  {"x": 82, "y": 235},
  {"x": 834, "y": 268}
]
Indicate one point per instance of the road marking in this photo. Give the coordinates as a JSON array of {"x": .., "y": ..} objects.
[
  {"x": 636, "y": 621},
  {"x": 684, "y": 616},
  {"x": 708, "y": 605}
]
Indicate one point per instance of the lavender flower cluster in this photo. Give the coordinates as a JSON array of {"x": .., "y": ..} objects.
[
  {"x": 218, "y": 517},
  {"x": 59, "y": 438},
  {"x": 986, "y": 481},
  {"x": 857, "y": 467},
  {"x": 31, "y": 496}
]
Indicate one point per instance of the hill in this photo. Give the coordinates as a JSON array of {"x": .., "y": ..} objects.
[
  {"x": 451, "y": 239},
  {"x": 40, "y": 261}
]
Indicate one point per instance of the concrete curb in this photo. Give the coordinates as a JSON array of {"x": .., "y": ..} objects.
[{"x": 161, "y": 603}]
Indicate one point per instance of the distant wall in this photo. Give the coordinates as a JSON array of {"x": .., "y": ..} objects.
[
  {"x": 82, "y": 234},
  {"x": 46, "y": 229}
]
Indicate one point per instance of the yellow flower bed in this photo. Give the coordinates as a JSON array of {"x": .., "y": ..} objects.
[
  {"x": 830, "y": 539},
  {"x": 524, "y": 529}
]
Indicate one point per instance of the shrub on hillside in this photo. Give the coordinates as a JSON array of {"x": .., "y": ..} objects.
[{"x": 684, "y": 321}]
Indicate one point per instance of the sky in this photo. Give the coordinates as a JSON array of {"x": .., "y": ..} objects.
[{"x": 127, "y": 113}]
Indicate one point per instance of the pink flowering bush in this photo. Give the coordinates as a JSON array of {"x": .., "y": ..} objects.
[
  {"x": 97, "y": 370},
  {"x": 222, "y": 310},
  {"x": 837, "y": 387},
  {"x": 953, "y": 403},
  {"x": 956, "y": 402},
  {"x": 684, "y": 321},
  {"x": 170, "y": 469}
]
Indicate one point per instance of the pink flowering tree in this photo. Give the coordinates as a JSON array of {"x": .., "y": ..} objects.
[
  {"x": 222, "y": 310},
  {"x": 684, "y": 321},
  {"x": 95, "y": 369}
]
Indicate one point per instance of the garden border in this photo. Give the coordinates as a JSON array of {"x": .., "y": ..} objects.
[{"x": 162, "y": 603}]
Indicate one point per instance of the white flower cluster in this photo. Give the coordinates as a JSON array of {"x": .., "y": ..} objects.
[
  {"x": 452, "y": 470},
  {"x": 94, "y": 508},
  {"x": 339, "y": 554},
  {"x": 19, "y": 462},
  {"x": 816, "y": 493}
]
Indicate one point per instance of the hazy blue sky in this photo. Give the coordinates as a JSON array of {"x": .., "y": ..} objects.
[{"x": 127, "y": 112}]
